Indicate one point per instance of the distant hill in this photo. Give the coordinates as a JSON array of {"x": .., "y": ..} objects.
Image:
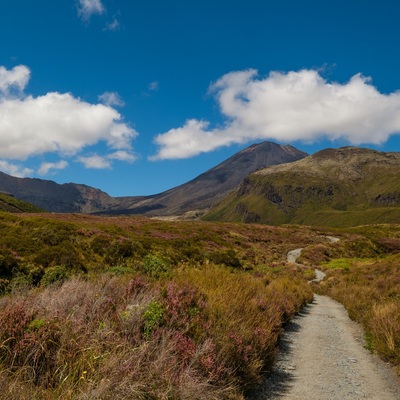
[
  {"x": 51, "y": 196},
  {"x": 11, "y": 204},
  {"x": 192, "y": 197},
  {"x": 334, "y": 187},
  {"x": 208, "y": 188}
]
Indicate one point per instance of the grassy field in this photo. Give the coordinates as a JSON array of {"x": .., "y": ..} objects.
[{"x": 135, "y": 308}]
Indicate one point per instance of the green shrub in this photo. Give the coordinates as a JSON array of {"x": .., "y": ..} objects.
[
  {"x": 227, "y": 258},
  {"x": 121, "y": 270},
  {"x": 153, "y": 317},
  {"x": 155, "y": 266},
  {"x": 56, "y": 274}
]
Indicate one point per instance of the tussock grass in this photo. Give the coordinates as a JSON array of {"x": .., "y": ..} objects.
[
  {"x": 370, "y": 291},
  {"x": 213, "y": 335},
  {"x": 131, "y": 308}
]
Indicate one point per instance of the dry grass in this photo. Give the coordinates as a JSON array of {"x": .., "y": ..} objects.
[
  {"x": 104, "y": 338},
  {"x": 131, "y": 308},
  {"x": 370, "y": 291}
]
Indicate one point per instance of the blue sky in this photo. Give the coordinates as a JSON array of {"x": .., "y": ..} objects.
[{"x": 136, "y": 97}]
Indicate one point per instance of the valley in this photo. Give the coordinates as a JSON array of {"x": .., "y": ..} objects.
[
  {"x": 102, "y": 307},
  {"x": 189, "y": 294}
]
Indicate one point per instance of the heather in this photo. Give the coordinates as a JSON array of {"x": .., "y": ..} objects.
[
  {"x": 136, "y": 308},
  {"x": 133, "y": 308}
]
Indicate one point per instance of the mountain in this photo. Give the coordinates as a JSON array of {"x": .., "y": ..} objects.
[
  {"x": 51, "y": 196},
  {"x": 11, "y": 204},
  {"x": 335, "y": 187},
  {"x": 198, "y": 194},
  {"x": 208, "y": 188}
]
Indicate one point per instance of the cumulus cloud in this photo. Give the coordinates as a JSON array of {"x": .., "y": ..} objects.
[
  {"x": 111, "y": 99},
  {"x": 87, "y": 8},
  {"x": 56, "y": 123},
  {"x": 14, "y": 169},
  {"x": 95, "y": 162},
  {"x": 122, "y": 155},
  {"x": 46, "y": 167},
  {"x": 15, "y": 79},
  {"x": 287, "y": 107}
]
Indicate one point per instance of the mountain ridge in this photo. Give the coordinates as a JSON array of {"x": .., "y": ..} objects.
[
  {"x": 333, "y": 187},
  {"x": 198, "y": 194},
  {"x": 203, "y": 191}
]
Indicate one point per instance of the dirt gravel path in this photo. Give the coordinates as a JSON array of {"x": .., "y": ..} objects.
[
  {"x": 293, "y": 255},
  {"x": 322, "y": 357}
]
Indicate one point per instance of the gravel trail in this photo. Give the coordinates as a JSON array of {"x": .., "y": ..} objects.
[
  {"x": 293, "y": 255},
  {"x": 322, "y": 357}
]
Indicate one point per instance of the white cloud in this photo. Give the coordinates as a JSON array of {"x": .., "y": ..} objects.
[
  {"x": 46, "y": 167},
  {"x": 14, "y": 169},
  {"x": 114, "y": 25},
  {"x": 87, "y": 8},
  {"x": 57, "y": 123},
  {"x": 111, "y": 99},
  {"x": 95, "y": 162},
  {"x": 16, "y": 79},
  {"x": 122, "y": 155},
  {"x": 287, "y": 107}
]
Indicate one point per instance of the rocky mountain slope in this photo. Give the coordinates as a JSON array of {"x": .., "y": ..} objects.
[
  {"x": 199, "y": 194},
  {"x": 208, "y": 188},
  {"x": 334, "y": 187}
]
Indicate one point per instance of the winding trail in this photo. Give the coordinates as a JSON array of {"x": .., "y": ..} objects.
[{"x": 322, "y": 358}]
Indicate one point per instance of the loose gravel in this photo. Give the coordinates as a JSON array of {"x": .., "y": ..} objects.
[{"x": 322, "y": 358}]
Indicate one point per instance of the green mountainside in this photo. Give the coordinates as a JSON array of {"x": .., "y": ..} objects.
[
  {"x": 335, "y": 187},
  {"x": 11, "y": 204}
]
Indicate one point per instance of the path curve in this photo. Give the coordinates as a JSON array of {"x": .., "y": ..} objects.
[
  {"x": 293, "y": 255},
  {"x": 322, "y": 358}
]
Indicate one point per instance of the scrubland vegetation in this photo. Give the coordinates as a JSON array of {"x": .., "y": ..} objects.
[
  {"x": 133, "y": 308},
  {"x": 363, "y": 273},
  {"x": 369, "y": 288}
]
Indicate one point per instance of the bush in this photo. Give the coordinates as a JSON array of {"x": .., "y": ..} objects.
[
  {"x": 9, "y": 264},
  {"x": 155, "y": 266},
  {"x": 56, "y": 274},
  {"x": 227, "y": 258},
  {"x": 152, "y": 317}
]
